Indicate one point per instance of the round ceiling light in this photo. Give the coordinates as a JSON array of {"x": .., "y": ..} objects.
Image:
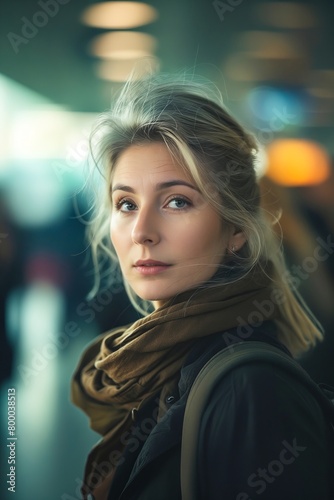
[
  {"x": 123, "y": 45},
  {"x": 287, "y": 15},
  {"x": 119, "y": 15},
  {"x": 268, "y": 45}
]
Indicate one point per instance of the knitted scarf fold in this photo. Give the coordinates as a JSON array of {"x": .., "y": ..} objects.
[{"x": 123, "y": 368}]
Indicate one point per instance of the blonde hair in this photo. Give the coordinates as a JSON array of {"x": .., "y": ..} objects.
[{"x": 219, "y": 155}]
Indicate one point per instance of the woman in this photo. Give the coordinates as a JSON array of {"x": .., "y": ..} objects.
[{"x": 181, "y": 208}]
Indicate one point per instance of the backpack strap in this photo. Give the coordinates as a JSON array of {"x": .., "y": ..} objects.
[{"x": 212, "y": 372}]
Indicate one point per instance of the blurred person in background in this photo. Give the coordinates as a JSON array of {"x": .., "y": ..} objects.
[{"x": 8, "y": 276}]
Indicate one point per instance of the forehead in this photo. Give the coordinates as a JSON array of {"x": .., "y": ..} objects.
[{"x": 147, "y": 160}]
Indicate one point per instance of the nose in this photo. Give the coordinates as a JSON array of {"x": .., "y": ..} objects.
[{"x": 146, "y": 227}]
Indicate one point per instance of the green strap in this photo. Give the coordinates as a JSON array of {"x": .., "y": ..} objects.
[{"x": 212, "y": 372}]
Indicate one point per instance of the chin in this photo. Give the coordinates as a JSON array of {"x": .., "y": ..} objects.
[
  {"x": 152, "y": 292},
  {"x": 152, "y": 295}
]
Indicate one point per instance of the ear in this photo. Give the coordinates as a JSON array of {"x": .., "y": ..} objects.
[{"x": 236, "y": 241}]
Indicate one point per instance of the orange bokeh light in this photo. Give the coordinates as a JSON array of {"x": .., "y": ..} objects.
[{"x": 297, "y": 162}]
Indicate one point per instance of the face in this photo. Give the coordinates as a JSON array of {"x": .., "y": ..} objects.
[{"x": 167, "y": 237}]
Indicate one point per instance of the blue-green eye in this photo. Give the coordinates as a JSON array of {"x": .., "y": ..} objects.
[
  {"x": 179, "y": 203},
  {"x": 125, "y": 206}
]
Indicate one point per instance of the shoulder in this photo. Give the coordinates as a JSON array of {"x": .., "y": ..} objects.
[
  {"x": 259, "y": 418},
  {"x": 260, "y": 392}
]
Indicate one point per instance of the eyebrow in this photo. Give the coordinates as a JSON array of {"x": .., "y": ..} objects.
[{"x": 159, "y": 187}]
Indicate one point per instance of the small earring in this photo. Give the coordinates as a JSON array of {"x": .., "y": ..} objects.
[{"x": 233, "y": 248}]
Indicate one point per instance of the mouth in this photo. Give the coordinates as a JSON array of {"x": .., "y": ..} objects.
[{"x": 151, "y": 267}]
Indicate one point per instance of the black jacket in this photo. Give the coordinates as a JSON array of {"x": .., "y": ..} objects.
[{"x": 261, "y": 437}]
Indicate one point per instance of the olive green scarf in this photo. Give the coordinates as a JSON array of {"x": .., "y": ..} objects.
[{"x": 123, "y": 368}]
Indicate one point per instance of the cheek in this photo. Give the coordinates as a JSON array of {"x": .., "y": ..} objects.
[{"x": 208, "y": 237}]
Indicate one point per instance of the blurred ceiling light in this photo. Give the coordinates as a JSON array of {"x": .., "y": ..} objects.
[
  {"x": 268, "y": 45},
  {"x": 321, "y": 84},
  {"x": 321, "y": 92},
  {"x": 120, "y": 71},
  {"x": 268, "y": 56},
  {"x": 297, "y": 162},
  {"x": 119, "y": 15},
  {"x": 243, "y": 68},
  {"x": 123, "y": 45},
  {"x": 288, "y": 15}
]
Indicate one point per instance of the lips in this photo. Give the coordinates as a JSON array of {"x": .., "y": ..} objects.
[
  {"x": 150, "y": 263},
  {"x": 151, "y": 267}
]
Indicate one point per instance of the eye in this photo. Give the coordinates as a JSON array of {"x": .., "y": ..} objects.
[
  {"x": 179, "y": 203},
  {"x": 125, "y": 205}
]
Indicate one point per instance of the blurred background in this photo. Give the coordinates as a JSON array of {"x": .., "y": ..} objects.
[{"x": 61, "y": 64}]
